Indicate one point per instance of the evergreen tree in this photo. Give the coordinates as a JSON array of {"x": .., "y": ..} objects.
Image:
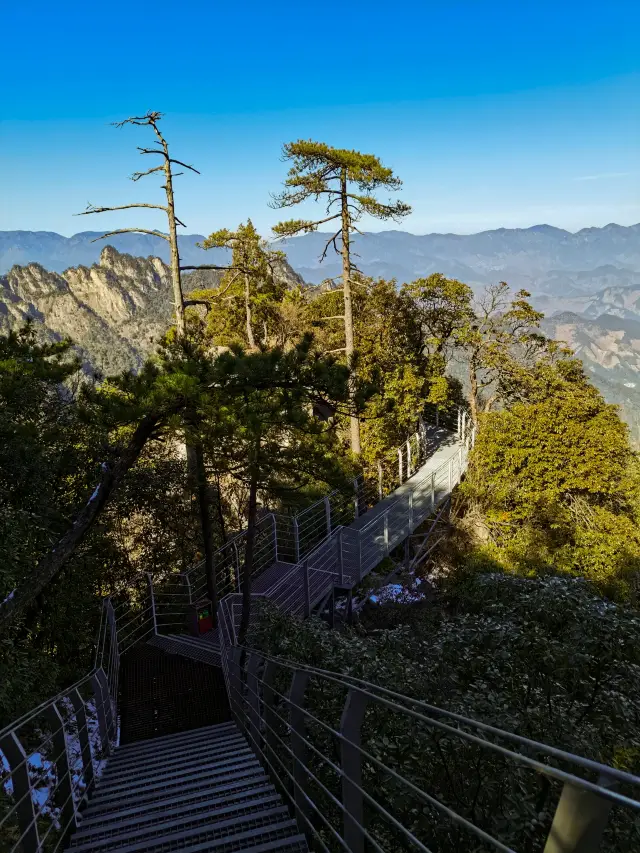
[
  {"x": 345, "y": 181},
  {"x": 555, "y": 480},
  {"x": 250, "y": 289}
]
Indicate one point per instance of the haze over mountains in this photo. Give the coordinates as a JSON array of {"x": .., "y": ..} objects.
[
  {"x": 542, "y": 258},
  {"x": 587, "y": 283}
]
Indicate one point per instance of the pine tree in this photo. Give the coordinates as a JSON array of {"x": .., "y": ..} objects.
[
  {"x": 249, "y": 288},
  {"x": 345, "y": 181}
]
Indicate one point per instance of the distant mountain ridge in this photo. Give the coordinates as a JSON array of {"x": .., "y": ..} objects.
[
  {"x": 542, "y": 258},
  {"x": 115, "y": 301}
]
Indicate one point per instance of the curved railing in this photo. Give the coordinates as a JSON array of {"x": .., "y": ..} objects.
[
  {"x": 366, "y": 768},
  {"x": 51, "y": 758}
]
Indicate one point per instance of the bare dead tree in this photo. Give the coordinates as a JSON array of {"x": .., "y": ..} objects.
[
  {"x": 161, "y": 149},
  {"x": 195, "y": 452}
]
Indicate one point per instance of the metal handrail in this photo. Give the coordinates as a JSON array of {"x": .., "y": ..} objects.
[
  {"x": 67, "y": 738},
  {"x": 260, "y": 709},
  {"x": 145, "y": 610}
]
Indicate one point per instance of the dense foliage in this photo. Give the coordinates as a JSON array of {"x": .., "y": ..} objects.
[
  {"x": 547, "y": 659},
  {"x": 555, "y": 482}
]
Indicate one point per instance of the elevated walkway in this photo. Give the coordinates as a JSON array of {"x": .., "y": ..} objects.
[
  {"x": 336, "y": 543},
  {"x": 157, "y": 750}
]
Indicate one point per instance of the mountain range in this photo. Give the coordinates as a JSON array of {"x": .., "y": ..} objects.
[
  {"x": 115, "y": 301},
  {"x": 542, "y": 259}
]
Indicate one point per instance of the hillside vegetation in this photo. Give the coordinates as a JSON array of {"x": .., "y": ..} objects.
[{"x": 254, "y": 400}]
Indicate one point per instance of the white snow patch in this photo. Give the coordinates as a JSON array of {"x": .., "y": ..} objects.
[{"x": 396, "y": 592}]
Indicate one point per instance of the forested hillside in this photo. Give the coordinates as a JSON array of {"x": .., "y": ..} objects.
[{"x": 249, "y": 391}]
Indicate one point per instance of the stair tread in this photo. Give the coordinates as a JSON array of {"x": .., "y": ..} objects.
[
  {"x": 197, "y": 754},
  {"x": 214, "y": 826},
  {"x": 277, "y": 829},
  {"x": 212, "y": 808},
  {"x": 253, "y": 774},
  {"x": 166, "y": 740},
  {"x": 192, "y": 770},
  {"x": 242, "y": 792}
]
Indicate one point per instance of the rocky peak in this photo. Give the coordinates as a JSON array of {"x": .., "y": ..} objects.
[{"x": 115, "y": 310}]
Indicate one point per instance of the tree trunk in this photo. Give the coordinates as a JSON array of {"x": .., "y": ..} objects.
[
  {"x": 473, "y": 395},
  {"x": 173, "y": 243},
  {"x": 52, "y": 563},
  {"x": 348, "y": 310},
  {"x": 248, "y": 557},
  {"x": 247, "y": 308},
  {"x": 207, "y": 530}
]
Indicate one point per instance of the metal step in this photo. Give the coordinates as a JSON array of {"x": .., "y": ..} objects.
[
  {"x": 208, "y": 809},
  {"x": 218, "y": 826},
  {"x": 138, "y": 784},
  {"x": 202, "y": 838},
  {"x": 121, "y": 769},
  {"x": 243, "y": 792},
  {"x": 214, "y": 786},
  {"x": 202, "y": 651},
  {"x": 294, "y": 844},
  {"x": 165, "y": 743}
]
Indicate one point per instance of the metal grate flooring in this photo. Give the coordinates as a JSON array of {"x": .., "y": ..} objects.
[
  {"x": 202, "y": 790},
  {"x": 163, "y": 694}
]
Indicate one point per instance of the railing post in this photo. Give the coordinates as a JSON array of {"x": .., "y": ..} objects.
[
  {"x": 237, "y": 561},
  {"x": 340, "y": 557},
  {"x": 103, "y": 709},
  {"x": 296, "y": 539},
  {"x": 400, "y": 464},
  {"x": 17, "y": 760},
  {"x": 433, "y": 489},
  {"x": 459, "y": 424},
  {"x": 275, "y": 536},
  {"x": 80, "y": 712},
  {"x": 464, "y": 424},
  {"x": 327, "y": 515},
  {"x": 451, "y": 474},
  {"x": 359, "y": 556},
  {"x": 580, "y": 820},
  {"x": 297, "y": 722},
  {"x": 153, "y": 603},
  {"x": 184, "y": 577},
  {"x": 351, "y": 762},
  {"x": 473, "y": 436},
  {"x": 380, "y": 482},
  {"x": 305, "y": 589},
  {"x": 386, "y": 532},
  {"x": 459, "y": 464},
  {"x": 63, "y": 796},
  {"x": 268, "y": 701},
  {"x": 253, "y": 700},
  {"x": 408, "y": 458}
]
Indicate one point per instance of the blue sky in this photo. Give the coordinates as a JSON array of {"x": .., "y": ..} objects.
[{"x": 493, "y": 113}]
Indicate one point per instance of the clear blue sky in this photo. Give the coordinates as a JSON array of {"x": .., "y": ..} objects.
[{"x": 493, "y": 113}]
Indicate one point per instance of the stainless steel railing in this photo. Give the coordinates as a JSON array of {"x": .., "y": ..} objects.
[
  {"x": 367, "y": 768},
  {"x": 51, "y": 758}
]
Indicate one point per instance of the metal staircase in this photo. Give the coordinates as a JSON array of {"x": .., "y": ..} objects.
[
  {"x": 78, "y": 774},
  {"x": 195, "y": 791}
]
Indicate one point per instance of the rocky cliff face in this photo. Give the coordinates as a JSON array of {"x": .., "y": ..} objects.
[{"x": 115, "y": 310}]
